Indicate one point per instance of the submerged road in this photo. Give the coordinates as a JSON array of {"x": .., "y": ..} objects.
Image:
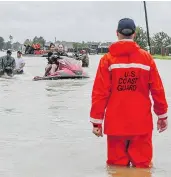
[{"x": 45, "y": 129}]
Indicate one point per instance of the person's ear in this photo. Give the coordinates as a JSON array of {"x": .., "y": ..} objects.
[
  {"x": 134, "y": 35},
  {"x": 116, "y": 33}
]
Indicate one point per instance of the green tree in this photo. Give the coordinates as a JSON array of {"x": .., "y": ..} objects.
[
  {"x": 27, "y": 42},
  {"x": 141, "y": 37},
  {"x": 40, "y": 40},
  {"x": 16, "y": 46},
  {"x": 1, "y": 43},
  {"x": 75, "y": 45},
  {"x": 7, "y": 45},
  {"x": 10, "y": 38},
  {"x": 84, "y": 45},
  {"x": 161, "y": 39}
]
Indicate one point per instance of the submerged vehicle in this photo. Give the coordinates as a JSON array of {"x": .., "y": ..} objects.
[{"x": 69, "y": 69}]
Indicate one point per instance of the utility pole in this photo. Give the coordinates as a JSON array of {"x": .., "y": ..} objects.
[{"x": 146, "y": 20}]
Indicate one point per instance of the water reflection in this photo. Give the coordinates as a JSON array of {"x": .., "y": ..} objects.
[
  {"x": 67, "y": 84},
  {"x": 128, "y": 172}
]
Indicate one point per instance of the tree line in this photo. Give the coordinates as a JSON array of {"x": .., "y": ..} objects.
[
  {"x": 158, "y": 41},
  {"x": 17, "y": 45}
]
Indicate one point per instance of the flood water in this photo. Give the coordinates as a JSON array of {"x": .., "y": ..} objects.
[{"x": 45, "y": 129}]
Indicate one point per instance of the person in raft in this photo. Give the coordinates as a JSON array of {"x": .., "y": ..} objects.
[{"x": 120, "y": 95}]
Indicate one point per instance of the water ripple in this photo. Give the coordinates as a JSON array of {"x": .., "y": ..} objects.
[{"x": 45, "y": 128}]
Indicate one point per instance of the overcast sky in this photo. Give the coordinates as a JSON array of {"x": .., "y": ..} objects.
[{"x": 78, "y": 21}]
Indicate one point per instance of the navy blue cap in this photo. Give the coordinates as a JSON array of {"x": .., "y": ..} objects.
[{"x": 126, "y": 27}]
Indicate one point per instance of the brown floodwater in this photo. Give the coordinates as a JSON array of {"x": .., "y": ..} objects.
[{"x": 45, "y": 129}]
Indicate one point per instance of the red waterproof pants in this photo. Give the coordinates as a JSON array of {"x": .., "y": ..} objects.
[{"x": 125, "y": 149}]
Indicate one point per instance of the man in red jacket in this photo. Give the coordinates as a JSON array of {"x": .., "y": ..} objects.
[{"x": 125, "y": 78}]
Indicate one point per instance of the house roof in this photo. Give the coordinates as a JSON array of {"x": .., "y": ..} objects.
[
  {"x": 66, "y": 44},
  {"x": 105, "y": 45}
]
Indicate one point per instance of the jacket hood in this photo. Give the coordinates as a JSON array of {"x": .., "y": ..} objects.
[{"x": 123, "y": 47}]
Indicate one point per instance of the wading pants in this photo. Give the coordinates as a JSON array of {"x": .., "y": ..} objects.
[{"x": 123, "y": 150}]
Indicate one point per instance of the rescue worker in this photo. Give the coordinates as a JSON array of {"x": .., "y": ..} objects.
[
  {"x": 7, "y": 64},
  {"x": 120, "y": 96},
  {"x": 84, "y": 58},
  {"x": 20, "y": 63},
  {"x": 38, "y": 46}
]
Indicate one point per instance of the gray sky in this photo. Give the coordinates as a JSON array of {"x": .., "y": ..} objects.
[{"x": 78, "y": 21}]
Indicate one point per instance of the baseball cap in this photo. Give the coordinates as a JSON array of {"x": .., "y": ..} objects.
[
  {"x": 126, "y": 27},
  {"x": 9, "y": 52},
  {"x": 19, "y": 52}
]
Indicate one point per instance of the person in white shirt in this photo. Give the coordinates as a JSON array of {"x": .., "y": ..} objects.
[{"x": 19, "y": 63}]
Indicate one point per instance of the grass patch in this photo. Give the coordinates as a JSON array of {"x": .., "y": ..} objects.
[
  {"x": 162, "y": 57},
  {"x": 154, "y": 56},
  {"x": 101, "y": 53}
]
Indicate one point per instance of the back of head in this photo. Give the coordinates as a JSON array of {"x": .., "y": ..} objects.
[
  {"x": 126, "y": 27},
  {"x": 125, "y": 32},
  {"x": 9, "y": 52}
]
